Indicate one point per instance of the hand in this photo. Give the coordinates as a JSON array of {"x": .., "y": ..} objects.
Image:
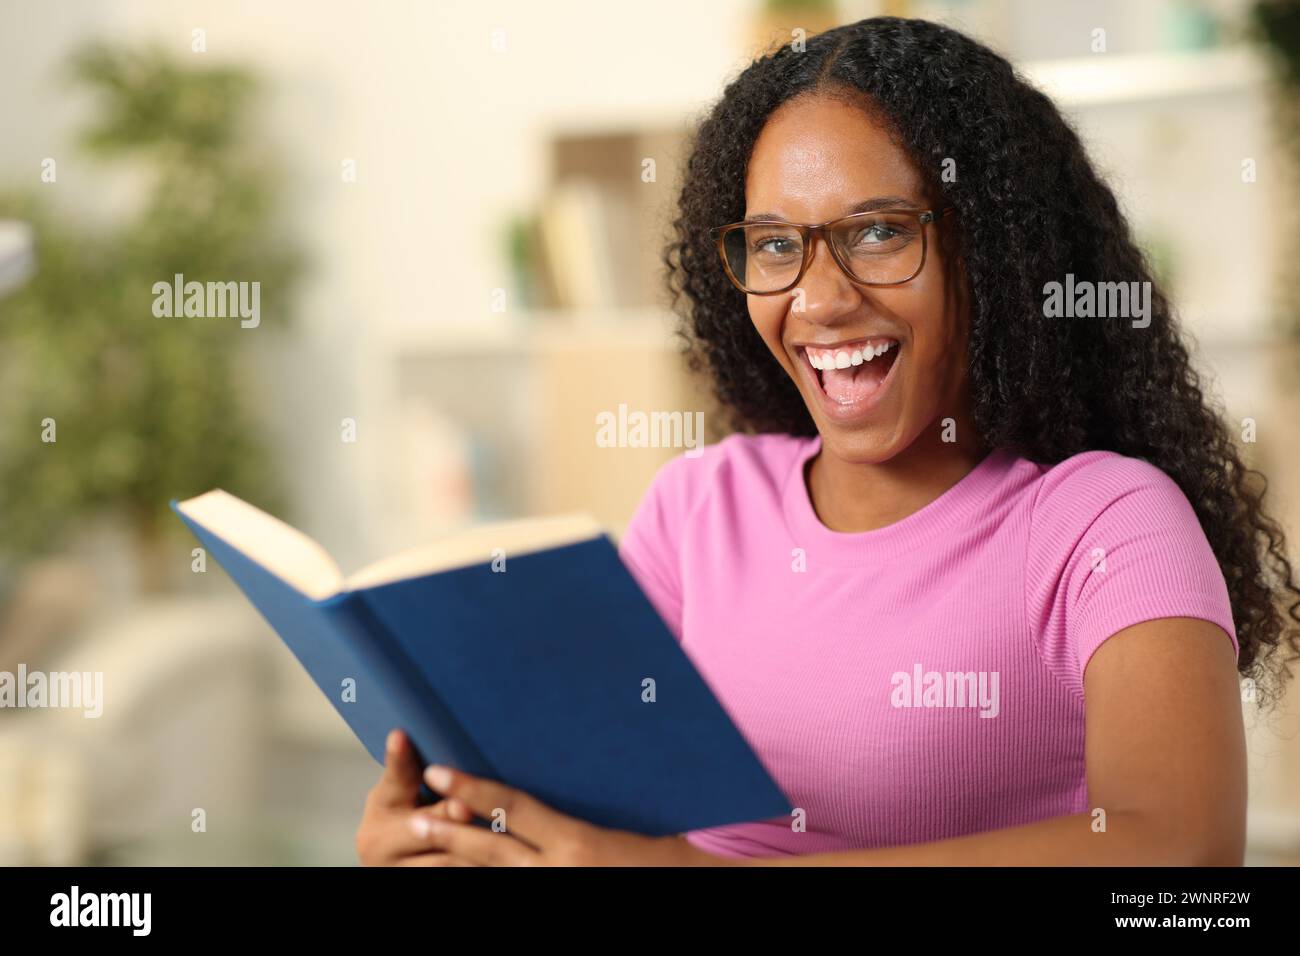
[
  {"x": 385, "y": 837},
  {"x": 534, "y": 834}
]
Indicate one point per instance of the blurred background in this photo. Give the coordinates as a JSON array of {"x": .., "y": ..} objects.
[{"x": 455, "y": 211}]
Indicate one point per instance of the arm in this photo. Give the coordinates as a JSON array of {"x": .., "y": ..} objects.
[{"x": 1166, "y": 761}]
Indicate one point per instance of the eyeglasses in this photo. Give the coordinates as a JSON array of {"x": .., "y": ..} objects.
[{"x": 769, "y": 257}]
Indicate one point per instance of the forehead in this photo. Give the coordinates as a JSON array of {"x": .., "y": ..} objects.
[{"x": 817, "y": 155}]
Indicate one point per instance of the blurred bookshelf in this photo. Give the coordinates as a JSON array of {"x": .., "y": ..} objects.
[
  {"x": 1166, "y": 125},
  {"x": 582, "y": 327},
  {"x": 530, "y": 447}
]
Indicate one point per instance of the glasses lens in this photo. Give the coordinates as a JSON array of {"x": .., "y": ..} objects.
[
  {"x": 763, "y": 257},
  {"x": 881, "y": 247}
]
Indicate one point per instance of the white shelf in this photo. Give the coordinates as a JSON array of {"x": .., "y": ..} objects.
[{"x": 1114, "y": 78}]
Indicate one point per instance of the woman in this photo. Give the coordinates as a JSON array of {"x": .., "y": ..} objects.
[{"x": 980, "y": 580}]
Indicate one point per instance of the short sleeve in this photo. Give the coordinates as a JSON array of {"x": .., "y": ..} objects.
[
  {"x": 1114, "y": 542},
  {"x": 651, "y": 544}
]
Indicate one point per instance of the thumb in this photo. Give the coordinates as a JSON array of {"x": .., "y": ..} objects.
[{"x": 400, "y": 784}]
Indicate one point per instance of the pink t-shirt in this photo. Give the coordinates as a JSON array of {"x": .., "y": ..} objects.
[{"x": 923, "y": 680}]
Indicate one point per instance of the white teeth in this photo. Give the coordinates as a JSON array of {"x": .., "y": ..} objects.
[{"x": 825, "y": 359}]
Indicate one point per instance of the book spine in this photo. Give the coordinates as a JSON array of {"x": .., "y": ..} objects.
[{"x": 436, "y": 733}]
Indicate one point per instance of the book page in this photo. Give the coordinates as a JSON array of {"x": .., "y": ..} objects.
[
  {"x": 478, "y": 546},
  {"x": 280, "y": 548}
]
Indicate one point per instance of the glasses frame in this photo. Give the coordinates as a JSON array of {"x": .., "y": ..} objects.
[{"x": 806, "y": 232}]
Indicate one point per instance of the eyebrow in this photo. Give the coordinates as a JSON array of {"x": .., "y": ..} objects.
[{"x": 867, "y": 205}]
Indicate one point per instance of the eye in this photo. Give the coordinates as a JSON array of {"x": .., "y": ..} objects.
[
  {"x": 877, "y": 232},
  {"x": 879, "y": 235},
  {"x": 774, "y": 246}
]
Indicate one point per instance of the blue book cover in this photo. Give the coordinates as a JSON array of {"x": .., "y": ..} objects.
[{"x": 523, "y": 652}]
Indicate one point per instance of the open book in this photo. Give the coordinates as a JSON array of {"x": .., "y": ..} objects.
[{"x": 522, "y": 651}]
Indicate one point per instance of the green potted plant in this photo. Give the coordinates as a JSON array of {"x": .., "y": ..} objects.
[{"x": 110, "y": 409}]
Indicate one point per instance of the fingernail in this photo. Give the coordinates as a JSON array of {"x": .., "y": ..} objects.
[
  {"x": 392, "y": 741},
  {"x": 420, "y": 826},
  {"x": 437, "y": 777}
]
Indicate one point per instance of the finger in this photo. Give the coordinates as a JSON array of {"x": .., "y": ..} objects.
[
  {"x": 453, "y": 809},
  {"x": 450, "y": 809},
  {"x": 401, "y": 836},
  {"x": 397, "y": 840},
  {"x": 399, "y": 786},
  {"x": 473, "y": 844},
  {"x": 523, "y": 816}
]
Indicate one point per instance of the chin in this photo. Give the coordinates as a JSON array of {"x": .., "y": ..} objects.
[{"x": 871, "y": 445}]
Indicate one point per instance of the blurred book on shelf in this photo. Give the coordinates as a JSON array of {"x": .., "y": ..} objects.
[
  {"x": 597, "y": 238},
  {"x": 578, "y": 231}
]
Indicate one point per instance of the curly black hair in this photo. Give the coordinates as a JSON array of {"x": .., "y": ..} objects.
[{"x": 1031, "y": 209}]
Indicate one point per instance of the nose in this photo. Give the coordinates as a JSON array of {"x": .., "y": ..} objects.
[{"x": 829, "y": 296}]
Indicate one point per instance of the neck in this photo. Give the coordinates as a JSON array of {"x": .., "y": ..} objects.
[{"x": 853, "y": 496}]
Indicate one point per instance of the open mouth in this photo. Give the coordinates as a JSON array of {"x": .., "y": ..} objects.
[{"x": 850, "y": 374}]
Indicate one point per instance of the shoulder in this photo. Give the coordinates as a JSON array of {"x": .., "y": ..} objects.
[
  {"x": 1073, "y": 494},
  {"x": 654, "y": 541},
  {"x": 1098, "y": 474},
  {"x": 1101, "y": 503},
  {"x": 737, "y": 466},
  {"x": 740, "y": 468},
  {"x": 1113, "y": 542}
]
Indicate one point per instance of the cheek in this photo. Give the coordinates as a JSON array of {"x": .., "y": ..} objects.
[
  {"x": 939, "y": 337},
  {"x": 767, "y": 314}
]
